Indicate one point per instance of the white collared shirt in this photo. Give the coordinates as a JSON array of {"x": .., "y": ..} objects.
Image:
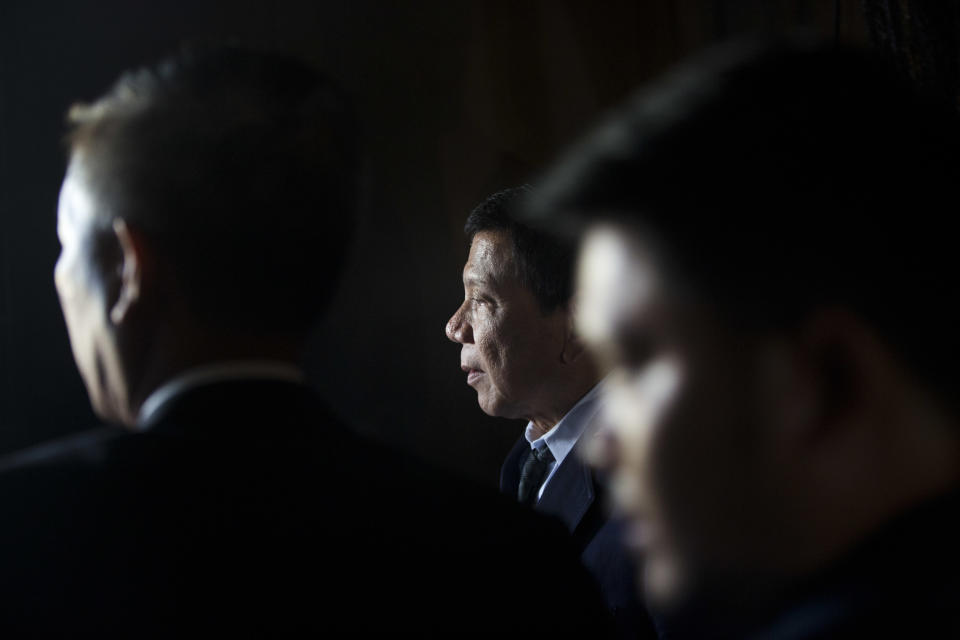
[
  {"x": 211, "y": 373},
  {"x": 561, "y": 439}
]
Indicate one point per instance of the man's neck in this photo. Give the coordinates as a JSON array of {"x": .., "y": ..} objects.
[
  {"x": 210, "y": 373},
  {"x": 183, "y": 353},
  {"x": 543, "y": 423}
]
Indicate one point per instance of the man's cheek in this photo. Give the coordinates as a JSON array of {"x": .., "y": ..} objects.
[
  {"x": 627, "y": 489},
  {"x": 628, "y": 427}
]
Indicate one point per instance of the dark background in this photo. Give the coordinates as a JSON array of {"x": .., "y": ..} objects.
[{"x": 457, "y": 99}]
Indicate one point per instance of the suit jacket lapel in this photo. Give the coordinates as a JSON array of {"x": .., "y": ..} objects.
[
  {"x": 510, "y": 471},
  {"x": 569, "y": 493}
]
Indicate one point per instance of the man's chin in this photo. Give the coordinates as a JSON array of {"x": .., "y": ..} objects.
[
  {"x": 487, "y": 409},
  {"x": 492, "y": 406},
  {"x": 689, "y": 603},
  {"x": 661, "y": 583},
  {"x": 669, "y": 590},
  {"x": 109, "y": 417},
  {"x": 110, "y": 414}
]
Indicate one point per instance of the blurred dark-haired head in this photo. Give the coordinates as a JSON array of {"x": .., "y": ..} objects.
[
  {"x": 779, "y": 179},
  {"x": 205, "y": 215},
  {"x": 767, "y": 269},
  {"x": 240, "y": 165}
]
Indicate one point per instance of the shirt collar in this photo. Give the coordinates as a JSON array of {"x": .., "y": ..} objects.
[
  {"x": 211, "y": 373},
  {"x": 564, "y": 435}
]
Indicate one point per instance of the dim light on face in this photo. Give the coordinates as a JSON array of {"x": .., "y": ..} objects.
[
  {"x": 679, "y": 440},
  {"x": 84, "y": 291},
  {"x": 510, "y": 350}
]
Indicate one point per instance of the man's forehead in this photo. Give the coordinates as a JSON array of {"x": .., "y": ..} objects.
[
  {"x": 491, "y": 259},
  {"x": 75, "y": 201},
  {"x": 81, "y": 206}
]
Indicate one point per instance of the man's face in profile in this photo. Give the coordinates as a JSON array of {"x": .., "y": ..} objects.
[
  {"x": 681, "y": 441},
  {"x": 82, "y": 288},
  {"x": 509, "y": 346}
]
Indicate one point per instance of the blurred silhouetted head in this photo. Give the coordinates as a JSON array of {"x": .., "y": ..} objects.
[
  {"x": 784, "y": 180},
  {"x": 766, "y": 267},
  {"x": 213, "y": 194},
  {"x": 241, "y": 166}
]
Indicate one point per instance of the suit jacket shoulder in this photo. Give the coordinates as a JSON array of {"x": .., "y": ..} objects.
[
  {"x": 249, "y": 510},
  {"x": 576, "y": 497}
]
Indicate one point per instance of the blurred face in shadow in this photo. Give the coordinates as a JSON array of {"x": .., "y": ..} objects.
[
  {"x": 83, "y": 284},
  {"x": 511, "y": 350},
  {"x": 681, "y": 441}
]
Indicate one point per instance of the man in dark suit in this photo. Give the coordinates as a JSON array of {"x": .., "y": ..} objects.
[
  {"x": 520, "y": 353},
  {"x": 203, "y": 220},
  {"x": 767, "y": 265}
]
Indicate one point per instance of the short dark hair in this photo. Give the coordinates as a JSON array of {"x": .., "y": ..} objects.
[
  {"x": 544, "y": 263},
  {"x": 781, "y": 179},
  {"x": 240, "y": 167}
]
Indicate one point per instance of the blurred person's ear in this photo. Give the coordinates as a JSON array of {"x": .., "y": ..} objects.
[
  {"x": 573, "y": 346},
  {"x": 830, "y": 377},
  {"x": 129, "y": 272},
  {"x": 854, "y": 371}
]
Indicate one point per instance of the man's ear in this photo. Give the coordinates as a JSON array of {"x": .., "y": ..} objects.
[
  {"x": 573, "y": 347},
  {"x": 844, "y": 364},
  {"x": 133, "y": 258}
]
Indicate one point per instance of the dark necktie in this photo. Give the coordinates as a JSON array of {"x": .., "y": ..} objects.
[{"x": 533, "y": 473}]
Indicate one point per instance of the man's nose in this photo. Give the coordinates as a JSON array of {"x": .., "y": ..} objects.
[
  {"x": 59, "y": 275},
  {"x": 458, "y": 329}
]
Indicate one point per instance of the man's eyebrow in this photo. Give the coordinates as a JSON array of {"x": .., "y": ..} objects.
[{"x": 474, "y": 280}]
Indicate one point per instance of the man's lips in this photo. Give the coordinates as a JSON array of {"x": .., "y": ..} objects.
[{"x": 472, "y": 374}]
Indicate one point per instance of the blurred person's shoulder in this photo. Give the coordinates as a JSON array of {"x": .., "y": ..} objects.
[
  {"x": 903, "y": 580},
  {"x": 84, "y": 448},
  {"x": 239, "y": 518}
]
